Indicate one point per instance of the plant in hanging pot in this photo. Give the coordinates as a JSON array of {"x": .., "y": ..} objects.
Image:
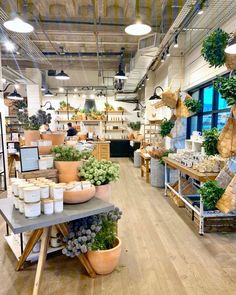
[
  {"x": 166, "y": 127},
  {"x": 193, "y": 105},
  {"x": 210, "y": 141},
  {"x": 67, "y": 161},
  {"x": 135, "y": 126},
  {"x": 211, "y": 192},
  {"x": 101, "y": 174},
  {"x": 33, "y": 124},
  {"x": 96, "y": 237},
  {"x": 213, "y": 47},
  {"x": 227, "y": 88}
]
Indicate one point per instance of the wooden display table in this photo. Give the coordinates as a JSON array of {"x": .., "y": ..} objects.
[
  {"x": 49, "y": 173},
  {"x": 101, "y": 150},
  {"x": 41, "y": 227},
  {"x": 145, "y": 166}
]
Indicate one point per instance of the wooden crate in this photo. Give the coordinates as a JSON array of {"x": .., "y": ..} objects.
[{"x": 49, "y": 173}]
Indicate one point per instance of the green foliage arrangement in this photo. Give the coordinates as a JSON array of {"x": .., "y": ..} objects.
[
  {"x": 193, "y": 105},
  {"x": 121, "y": 109},
  {"x": 99, "y": 172},
  {"x": 210, "y": 141},
  {"x": 69, "y": 153},
  {"x": 166, "y": 127},
  {"x": 213, "y": 47},
  {"x": 227, "y": 88},
  {"x": 63, "y": 104},
  {"x": 135, "y": 125},
  {"x": 165, "y": 154},
  {"x": 211, "y": 192},
  {"x": 34, "y": 122},
  {"x": 97, "y": 232},
  {"x": 108, "y": 107}
]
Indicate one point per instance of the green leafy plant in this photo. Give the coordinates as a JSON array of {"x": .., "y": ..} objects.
[
  {"x": 135, "y": 125},
  {"x": 69, "y": 153},
  {"x": 63, "y": 104},
  {"x": 120, "y": 109},
  {"x": 211, "y": 192},
  {"x": 99, "y": 172},
  {"x": 108, "y": 107},
  {"x": 227, "y": 88},
  {"x": 165, "y": 154},
  {"x": 193, "y": 105},
  {"x": 213, "y": 47},
  {"x": 210, "y": 141},
  {"x": 34, "y": 122},
  {"x": 166, "y": 127},
  {"x": 97, "y": 232}
]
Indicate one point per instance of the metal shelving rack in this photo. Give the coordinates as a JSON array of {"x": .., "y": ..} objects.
[{"x": 3, "y": 180}]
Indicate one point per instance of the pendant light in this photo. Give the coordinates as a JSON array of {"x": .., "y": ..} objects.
[
  {"x": 176, "y": 45},
  {"x": 62, "y": 76},
  {"x": 15, "y": 95},
  {"x": 48, "y": 93},
  {"x": 137, "y": 108},
  {"x": 18, "y": 25},
  {"x": 138, "y": 28},
  {"x": 231, "y": 47},
  {"x": 120, "y": 74},
  {"x": 155, "y": 96}
]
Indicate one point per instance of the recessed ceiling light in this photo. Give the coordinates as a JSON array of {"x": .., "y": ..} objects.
[
  {"x": 83, "y": 95},
  {"x": 10, "y": 46},
  {"x": 62, "y": 76},
  {"x": 61, "y": 89},
  {"x": 17, "y": 86},
  {"x": 4, "y": 80},
  {"x": 18, "y": 25},
  {"x": 138, "y": 29},
  {"x": 75, "y": 89}
]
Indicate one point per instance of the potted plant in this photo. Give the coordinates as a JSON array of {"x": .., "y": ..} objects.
[
  {"x": 121, "y": 109},
  {"x": 210, "y": 141},
  {"x": 67, "y": 161},
  {"x": 166, "y": 127},
  {"x": 108, "y": 107},
  {"x": 33, "y": 124},
  {"x": 193, "y": 105},
  {"x": 135, "y": 126},
  {"x": 213, "y": 47},
  {"x": 96, "y": 237},
  {"x": 101, "y": 174},
  {"x": 227, "y": 88},
  {"x": 211, "y": 192}
]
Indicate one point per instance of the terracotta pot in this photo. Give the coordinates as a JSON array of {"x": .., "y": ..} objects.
[
  {"x": 103, "y": 192},
  {"x": 67, "y": 170},
  {"x": 45, "y": 150},
  {"x": 57, "y": 139},
  {"x": 31, "y": 135},
  {"x": 105, "y": 261},
  {"x": 79, "y": 196}
]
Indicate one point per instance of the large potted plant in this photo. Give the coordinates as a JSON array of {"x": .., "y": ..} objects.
[
  {"x": 96, "y": 237},
  {"x": 67, "y": 161},
  {"x": 210, "y": 141},
  {"x": 101, "y": 174},
  {"x": 33, "y": 124},
  {"x": 227, "y": 88}
]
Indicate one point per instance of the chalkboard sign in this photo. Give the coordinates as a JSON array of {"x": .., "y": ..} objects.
[{"x": 29, "y": 159}]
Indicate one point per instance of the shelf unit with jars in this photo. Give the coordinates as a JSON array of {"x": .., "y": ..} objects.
[{"x": 115, "y": 125}]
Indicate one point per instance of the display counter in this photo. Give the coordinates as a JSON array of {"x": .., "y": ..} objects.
[
  {"x": 101, "y": 150},
  {"x": 120, "y": 148}
]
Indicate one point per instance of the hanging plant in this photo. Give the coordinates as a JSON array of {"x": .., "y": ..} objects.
[
  {"x": 211, "y": 192},
  {"x": 135, "y": 125},
  {"x": 213, "y": 47},
  {"x": 227, "y": 88},
  {"x": 193, "y": 105},
  {"x": 210, "y": 141},
  {"x": 166, "y": 127}
]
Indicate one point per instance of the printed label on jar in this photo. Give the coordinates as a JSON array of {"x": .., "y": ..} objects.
[
  {"x": 32, "y": 210},
  {"x": 58, "y": 206}
]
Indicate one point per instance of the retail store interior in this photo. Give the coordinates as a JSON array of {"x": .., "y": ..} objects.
[{"x": 118, "y": 147}]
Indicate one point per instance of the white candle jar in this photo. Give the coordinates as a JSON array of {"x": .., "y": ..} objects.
[
  {"x": 16, "y": 202},
  {"x": 47, "y": 206},
  {"x": 31, "y": 194},
  {"x": 58, "y": 206},
  {"x": 58, "y": 192},
  {"x": 44, "y": 191},
  {"x": 21, "y": 206},
  {"x": 32, "y": 210}
]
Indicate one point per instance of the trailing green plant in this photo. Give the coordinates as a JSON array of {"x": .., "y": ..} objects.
[
  {"x": 213, "y": 47},
  {"x": 165, "y": 154},
  {"x": 210, "y": 141},
  {"x": 211, "y": 192},
  {"x": 193, "y": 105},
  {"x": 34, "y": 122},
  {"x": 99, "y": 172},
  {"x": 69, "y": 153},
  {"x": 97, "y": 232},
  {"x": 227, "y": 88},
  {"x": 166, "y": 127},
  {"x": 135, "y": 125}
]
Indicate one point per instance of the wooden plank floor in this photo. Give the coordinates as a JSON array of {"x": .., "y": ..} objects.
[{"x": 162, "y": 253}]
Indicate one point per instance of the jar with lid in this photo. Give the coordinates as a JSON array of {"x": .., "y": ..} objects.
[
  {"x": 58, "y": 206},
  {"x": 47, "y": 206}
]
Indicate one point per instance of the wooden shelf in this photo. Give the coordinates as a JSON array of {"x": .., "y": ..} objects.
[
  {"x": 69, "y": 111},
  {"x": 118, "y": 121},
  {"x": 118, "y": 112},
  {"x": 89, "y": 121},
  {"x": 116, "y": 130}
]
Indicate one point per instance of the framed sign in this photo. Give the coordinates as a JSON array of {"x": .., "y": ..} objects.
[{"x": 29, "y": 159}]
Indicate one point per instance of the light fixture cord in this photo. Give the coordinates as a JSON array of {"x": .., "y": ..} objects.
[{"x": 137, "y": 9}]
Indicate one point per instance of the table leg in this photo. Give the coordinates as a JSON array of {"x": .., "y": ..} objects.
[
  {"x": 42, "y": 259},
  {"x": 147, "y": 170},
  {"x": 28, "y": 248},
  {"x": 82, "y": 258},
  {"x": 142, "y": 163}
]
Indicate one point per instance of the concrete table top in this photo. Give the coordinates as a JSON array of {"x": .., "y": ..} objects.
[{"x": 19, "y": 223}]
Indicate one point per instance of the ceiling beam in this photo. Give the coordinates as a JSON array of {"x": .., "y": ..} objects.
[{"x": 85, "y": 42}]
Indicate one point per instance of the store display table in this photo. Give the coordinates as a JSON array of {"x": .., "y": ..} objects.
[
  {"x": 41, "y": 227},
  {"x": 145, "y": 166}
]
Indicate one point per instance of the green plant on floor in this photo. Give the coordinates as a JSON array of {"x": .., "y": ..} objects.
[
  {"x": 35, "y": 121},
  {"x": 165, "y": 154},
  {"x": 97, "y": 232},
  {"x": 210, "y": 141},
  {"x": 211, "y": 192},
  {"x": 69, "y": 153},
  {"x": 213, "y": 47},
  {"x": 193, "y": 105},
  {"x": 99, "y": 172},
  {"x": 166, "y": 127},
  {"x": 227, "y": 88},
  {"x": 135, "y": 125}
]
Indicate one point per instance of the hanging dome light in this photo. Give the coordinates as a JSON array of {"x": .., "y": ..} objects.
[
  {"x": 17, "y": 25},
  {"x": 138, "y": 29},
  {"x": 62, "y": 76},
  {"x": 120, "y": 75},
  {"x": 15, "y": 95},
  {"x": 155, "y": 96},
  {"x": 48, "y": 93}
]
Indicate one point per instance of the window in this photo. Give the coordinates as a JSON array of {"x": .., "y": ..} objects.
[{"x": 215, "y": 111}]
